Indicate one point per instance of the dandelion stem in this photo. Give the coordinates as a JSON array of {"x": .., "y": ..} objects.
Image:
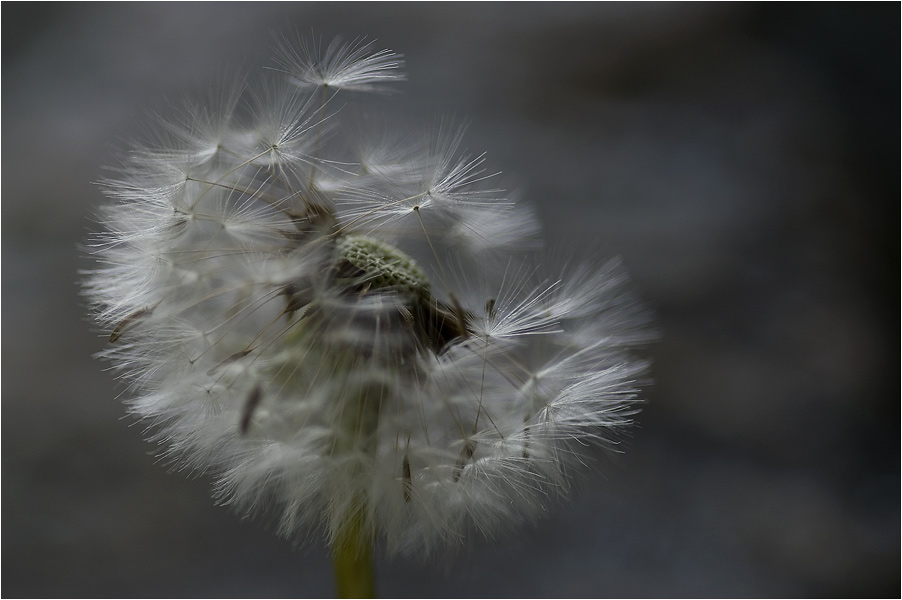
[
  {"x": 352, "y": 559},
  {"x": 352, "y": 545}
]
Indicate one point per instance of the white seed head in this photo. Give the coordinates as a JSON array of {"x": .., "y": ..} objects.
[{"x": 352, "y": 339}]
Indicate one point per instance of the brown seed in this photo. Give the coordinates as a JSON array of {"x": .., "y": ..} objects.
[
  {"x": 293, "y": 303},
  {"x": 408, "y": 483},
  {"x": 230, "y": 359},
  {"x": 249, "y": 407},
  {"x": 465, "y": 455},
  {"x": 461, "y": 316},
  {"x": 128, "y": 322},
  {"x": 490, "y": 308}
]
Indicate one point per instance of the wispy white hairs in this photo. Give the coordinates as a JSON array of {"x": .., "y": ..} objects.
[{"x": 352, "y": 334}]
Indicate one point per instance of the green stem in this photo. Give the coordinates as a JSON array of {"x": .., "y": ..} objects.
[
  {"x": 352, "y": 558},
  {"x": 352, "y": 549}
]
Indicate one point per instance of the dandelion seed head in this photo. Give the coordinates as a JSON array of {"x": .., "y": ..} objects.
[{"x": 348, "y": 335}]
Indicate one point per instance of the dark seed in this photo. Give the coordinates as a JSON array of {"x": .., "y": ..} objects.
[
  {"x": 128, "y": 322},
  {"x": 249, "y": 407},
  {"x": 231, "y": 359},
  {"x": 408, "y": 483},
  {"x": 465, "y": 455}
]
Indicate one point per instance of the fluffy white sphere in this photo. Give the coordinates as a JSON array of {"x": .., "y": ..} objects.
[{"x": 353, "y": 338}]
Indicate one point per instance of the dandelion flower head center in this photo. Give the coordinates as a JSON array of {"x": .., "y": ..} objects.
[{"x": 378, "y": 265}]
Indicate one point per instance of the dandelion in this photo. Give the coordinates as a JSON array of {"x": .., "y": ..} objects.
[{"x": 355, "y": 337}]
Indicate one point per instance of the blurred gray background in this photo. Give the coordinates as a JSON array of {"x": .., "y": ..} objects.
[{"x": 742, "y": 159}]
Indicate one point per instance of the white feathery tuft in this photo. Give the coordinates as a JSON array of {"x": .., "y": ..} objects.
[
  {"x": 350, "y": 66},
  {"x": 344, "y": 337}
]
